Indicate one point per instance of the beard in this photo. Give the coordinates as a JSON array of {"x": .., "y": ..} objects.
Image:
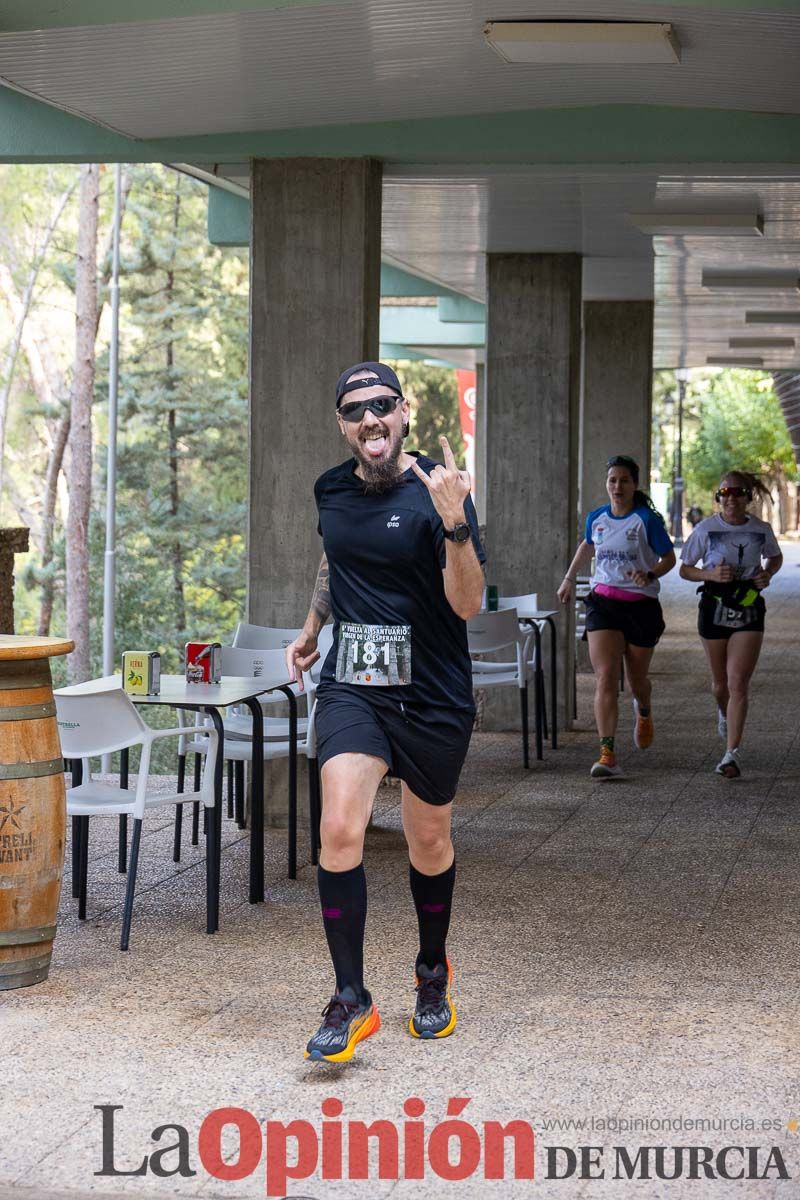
[{"x": 379, "y": 475}]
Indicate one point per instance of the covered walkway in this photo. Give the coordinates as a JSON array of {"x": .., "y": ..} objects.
[{"x": 625, "y": 950}]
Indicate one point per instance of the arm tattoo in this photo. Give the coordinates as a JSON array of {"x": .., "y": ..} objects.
[{"x": 321, "y": 600}]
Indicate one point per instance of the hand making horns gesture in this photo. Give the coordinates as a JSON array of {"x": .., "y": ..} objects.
[{"x": 448, "y": 487}]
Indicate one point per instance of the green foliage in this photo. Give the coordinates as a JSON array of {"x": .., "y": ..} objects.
[
  {"x": 741, "y": 426},
  {"x": 433, "y": 392},
  {"x": 731, "y": 419},
  {"x": 182, "y": 436}
]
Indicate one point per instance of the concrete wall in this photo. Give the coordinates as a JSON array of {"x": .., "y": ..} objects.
[
  {"x": 314, "y": 310},
  {"x": 616, "y": 396},
  {"x": 532, "y": 390}
]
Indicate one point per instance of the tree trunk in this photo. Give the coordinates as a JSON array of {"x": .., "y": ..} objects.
[
  {"x": 784, "y": 511},
  {"x": 48, "y": 525},
  {"x": 80, "y": 433},
  {"x": 174, "y": 481}
]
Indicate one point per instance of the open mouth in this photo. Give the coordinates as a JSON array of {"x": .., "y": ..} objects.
[{"x": 375, "y": 444}]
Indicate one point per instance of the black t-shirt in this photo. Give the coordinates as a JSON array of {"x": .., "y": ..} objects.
[{"x": 385, "y": 554}]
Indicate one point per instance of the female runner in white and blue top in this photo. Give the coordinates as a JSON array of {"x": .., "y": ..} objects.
[{"x": 631, "y": 549}]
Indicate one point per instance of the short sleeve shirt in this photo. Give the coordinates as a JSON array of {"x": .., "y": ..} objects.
[
  {"x": 623, "y": 545},
  {"x": 385, "y": 556},
  {"x": 714, "y": 542}
]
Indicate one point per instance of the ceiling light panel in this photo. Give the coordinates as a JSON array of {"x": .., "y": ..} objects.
[
  {"x": 664, "y": 224},
  {"x": 730, "y": 360},
  {"x": 784, "y": 280},
  {"x": 761, "y": 343},
  {"x": 775, "y": 317},
  {"x": 583, "y": 42}
]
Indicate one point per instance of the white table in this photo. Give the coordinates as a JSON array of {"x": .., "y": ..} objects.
[{"x": 210, "y": 698}]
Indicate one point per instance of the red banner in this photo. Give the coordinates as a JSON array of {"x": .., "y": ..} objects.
[{"x": 467, "y": 394}]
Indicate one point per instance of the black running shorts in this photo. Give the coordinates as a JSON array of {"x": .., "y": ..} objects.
[
  {"x": 716, "y": 633},
  {"x": 640, "y": 621},
  {"x": 425, "y": 748}
]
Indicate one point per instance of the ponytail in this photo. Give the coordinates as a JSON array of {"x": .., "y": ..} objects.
[{"x": 642, "y": 500}]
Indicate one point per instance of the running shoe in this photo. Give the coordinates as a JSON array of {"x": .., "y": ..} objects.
[
  {"x": 722, "y": 724},
  {"x": 643, "y": 730},
  {"x": 729, "y": 765},
  {"x": 606, "y": 766},
  {"x": 346, "y": 1021},
  {"x": 435, "y": 1013}
]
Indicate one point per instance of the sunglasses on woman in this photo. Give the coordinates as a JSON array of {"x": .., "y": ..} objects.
[
  {"x": 737, "y": 492},
  {"x": 381, "y": 406}
]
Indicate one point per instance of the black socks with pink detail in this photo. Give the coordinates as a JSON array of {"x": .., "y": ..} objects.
[
  {"x": 343, "y": 897},
  {"x": 433, "y": 898}
]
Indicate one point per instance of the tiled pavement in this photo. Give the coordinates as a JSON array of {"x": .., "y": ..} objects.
[{"x": 624, "y": 951}]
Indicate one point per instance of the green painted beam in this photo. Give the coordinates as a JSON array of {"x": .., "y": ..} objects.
[
  {"x": 408, "y": 326},
  {"x": 397, "y": 282},
  {"x": 19, "y": 15},
  {"x": 228, "y": 218},
  {"x": 388, "y": 350},
  {"x": 31, "y": 131},
  {"x": 461, "y": 308}
]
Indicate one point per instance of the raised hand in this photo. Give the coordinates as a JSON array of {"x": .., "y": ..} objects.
[{"x": 448, "y": 487}]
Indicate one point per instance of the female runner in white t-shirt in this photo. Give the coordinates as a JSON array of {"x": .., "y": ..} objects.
[
  {"x": 732, "y": 546},
  {"x": 632, "y": 550}
]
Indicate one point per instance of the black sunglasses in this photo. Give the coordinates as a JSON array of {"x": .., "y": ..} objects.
[{"x": 381, "y": 406}]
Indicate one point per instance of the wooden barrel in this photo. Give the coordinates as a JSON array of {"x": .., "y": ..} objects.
[{"x": 32, "y": 809}]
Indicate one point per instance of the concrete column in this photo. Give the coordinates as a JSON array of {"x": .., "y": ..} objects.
[
  {"x": 616, "y": 397},
  {"x": 532, "y": 393},
  {"x": 314, "y": 310}
]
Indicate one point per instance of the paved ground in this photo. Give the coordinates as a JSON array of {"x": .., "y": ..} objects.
[{"x": 626, "y": 952}]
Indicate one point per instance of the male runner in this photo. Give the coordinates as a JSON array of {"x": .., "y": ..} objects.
[{"x": 401, "y": 573}]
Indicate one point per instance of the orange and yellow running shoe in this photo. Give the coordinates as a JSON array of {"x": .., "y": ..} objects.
[
  {"x": 346, "y": 1022},
  {"x": 434, "y": 1014},
  {"x": 606, "y": 766},
  {"x": 643, "y": 732}
]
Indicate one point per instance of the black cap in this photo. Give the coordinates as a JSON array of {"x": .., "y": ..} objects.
[{"x": 380, "y": 374}]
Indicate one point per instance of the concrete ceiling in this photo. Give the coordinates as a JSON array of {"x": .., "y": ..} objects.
[
  {"x": 441, "y": 225},
  {"x": 479, "y": 155},
  {"x": 333, "y": 63}
]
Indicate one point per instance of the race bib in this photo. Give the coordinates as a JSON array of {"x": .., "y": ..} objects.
[
  {"x": 374, "y": 655},
  {"x": 734, "y": 618}
]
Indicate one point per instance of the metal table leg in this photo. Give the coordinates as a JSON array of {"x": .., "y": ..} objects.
[
  {"x": 292, "y": 833},
  {"x": 538, "y": 690},
  {"x": 257, "y": 804},
  {"x": 214, "y": 829},
  {"x": 553, "y": 683}
]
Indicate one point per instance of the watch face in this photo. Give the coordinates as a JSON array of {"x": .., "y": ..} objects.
[{"x": 461, "y": 533}]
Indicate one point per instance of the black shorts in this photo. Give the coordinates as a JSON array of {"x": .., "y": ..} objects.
[
  {"x": 717, "y": 633},
  {"x": 640, "y": 621},
  {"x": 425, "y": 747}
]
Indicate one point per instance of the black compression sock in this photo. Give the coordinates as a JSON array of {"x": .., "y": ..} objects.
[
  {"x": 433, "y": 898},
  {"x": 343, "y": 897}
]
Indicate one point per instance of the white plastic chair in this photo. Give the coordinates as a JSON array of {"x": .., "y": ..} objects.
[
  {"x": 92, "y": 724},
  {"x": 492, "y": 631}
]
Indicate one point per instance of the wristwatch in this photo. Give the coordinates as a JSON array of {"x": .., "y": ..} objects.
[{"x": 459, "y": 532}]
